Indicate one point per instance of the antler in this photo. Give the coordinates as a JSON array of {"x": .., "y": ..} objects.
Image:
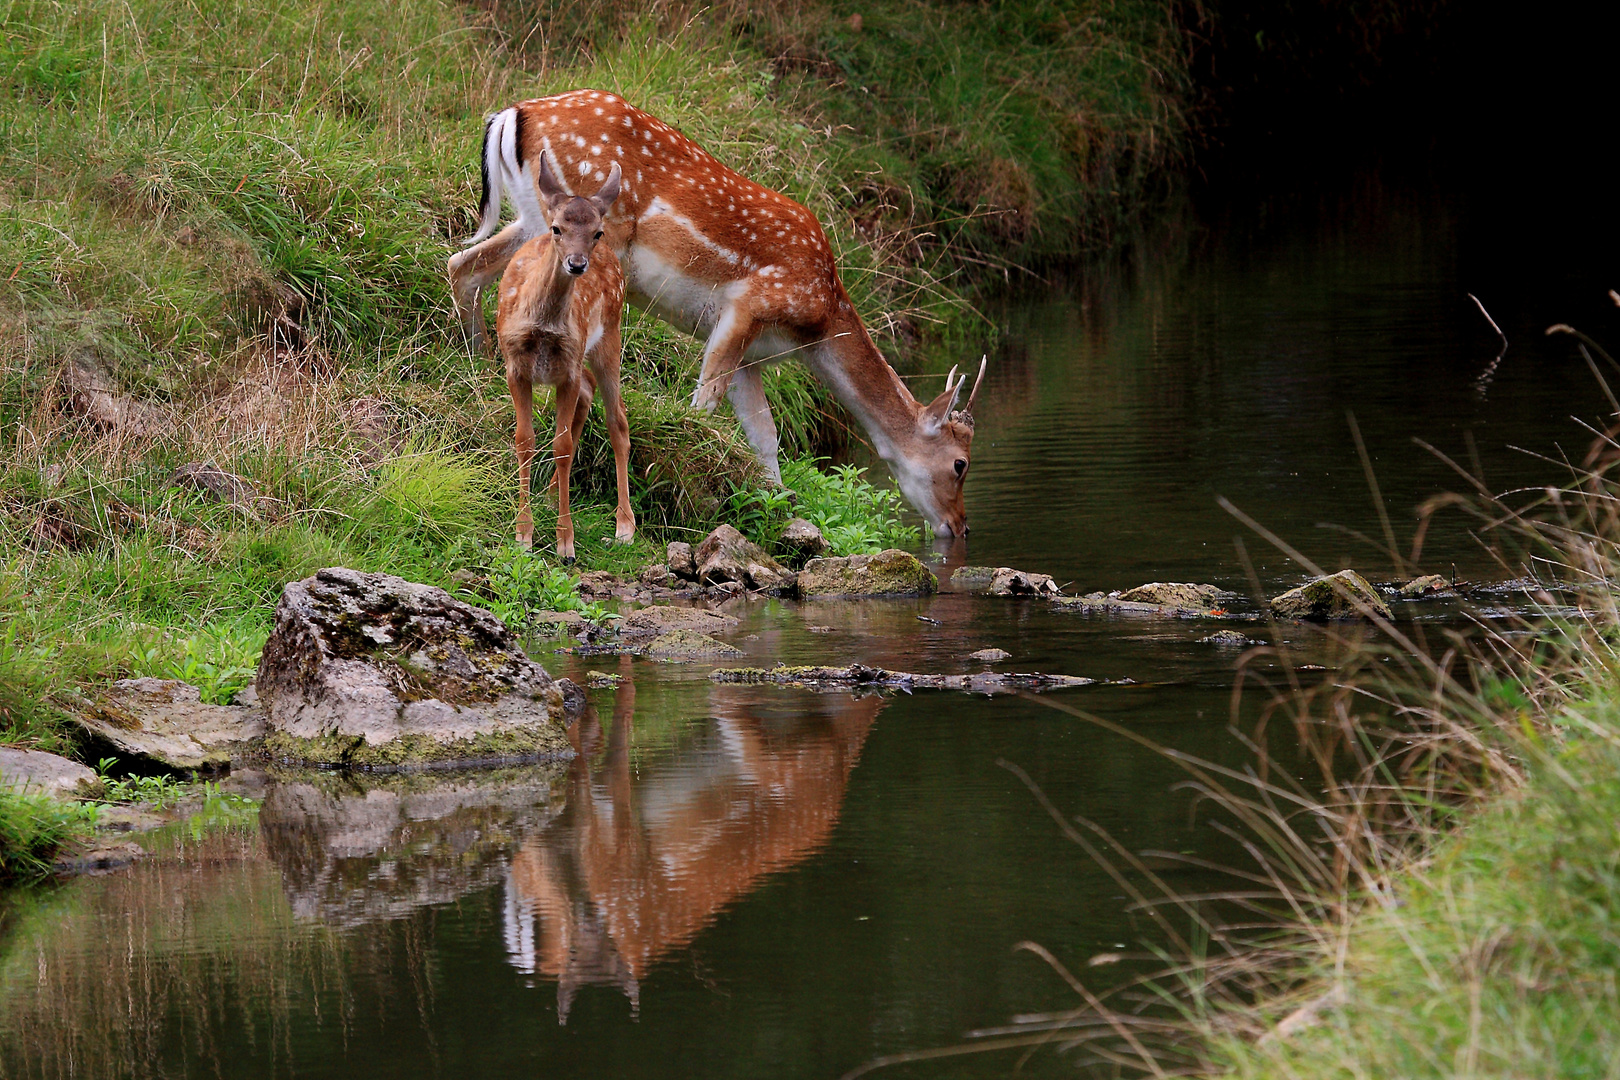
[{"x": 983, "y": 361}]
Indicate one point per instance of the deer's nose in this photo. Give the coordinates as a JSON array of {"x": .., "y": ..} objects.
[{"x": 576, "y": 264}]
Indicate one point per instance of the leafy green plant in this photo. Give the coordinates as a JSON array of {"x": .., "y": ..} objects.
[
  {"x": 219, "y": 664},
  {"x": 437, "y": 488},
  {"x": 524, "y": 585},
  {"x": 854, "y": 515},
  {"x": 160, "y": 791}
]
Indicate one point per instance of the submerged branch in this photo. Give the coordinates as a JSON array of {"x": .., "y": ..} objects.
[{"x": 983, "y": 682}]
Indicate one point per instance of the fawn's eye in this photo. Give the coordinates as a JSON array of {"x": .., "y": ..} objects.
[
  {"x": 599, "y": 235},
  {"x": 556, "y": 230},
  {"x": 961, "y": 466}
]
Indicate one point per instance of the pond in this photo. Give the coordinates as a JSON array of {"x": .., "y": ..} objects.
[{"x": 745, "y": 881}]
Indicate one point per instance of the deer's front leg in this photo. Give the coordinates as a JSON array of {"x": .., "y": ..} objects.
[
  {"x": 753, "y": 411},
  {"x": 731, "y": 337},
  {"x": 618, "y": 433},
  {"x": 523, "y": 404}
]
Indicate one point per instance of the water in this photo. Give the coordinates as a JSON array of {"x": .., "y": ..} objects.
[{"x": 752, "y": 881}]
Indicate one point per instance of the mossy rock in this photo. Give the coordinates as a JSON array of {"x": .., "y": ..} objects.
[
  {"x": 888, "y": 573},
  {"x": 1331, "y": 598},
  {"x": 688, "y": 645}
]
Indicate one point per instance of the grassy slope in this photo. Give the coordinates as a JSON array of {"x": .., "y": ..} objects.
[{"x": 242, "y": 213}]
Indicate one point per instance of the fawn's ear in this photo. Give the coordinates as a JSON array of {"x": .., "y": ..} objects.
[
  {"x": 603, "y": 199},
  {"x": 551, "y": 189}
]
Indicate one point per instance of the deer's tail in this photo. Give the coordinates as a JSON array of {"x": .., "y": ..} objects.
[{"x": 503, "y": 175}]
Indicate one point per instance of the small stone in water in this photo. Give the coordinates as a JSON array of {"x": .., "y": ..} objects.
[
  {"x": 990, "y": 655},
  {"x": 1229, "y": 637}
]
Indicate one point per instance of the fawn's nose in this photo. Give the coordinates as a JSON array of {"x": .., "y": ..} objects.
[{"x": 576, "y": 264}]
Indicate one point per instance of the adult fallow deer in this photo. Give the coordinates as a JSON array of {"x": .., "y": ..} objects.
[
  {"x": 727, "y": 260},
  {"x": 558, "y": 323}
]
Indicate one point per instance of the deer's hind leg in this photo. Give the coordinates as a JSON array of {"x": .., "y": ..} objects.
[
  {"x": 605, "y": 363},
  {"x": 474, "y": 268}
]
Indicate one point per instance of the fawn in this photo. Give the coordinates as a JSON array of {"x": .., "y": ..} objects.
[{"x": 561, "y": 299}]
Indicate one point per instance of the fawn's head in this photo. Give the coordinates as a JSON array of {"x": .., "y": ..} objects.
[{"x": 575, "y": 220}]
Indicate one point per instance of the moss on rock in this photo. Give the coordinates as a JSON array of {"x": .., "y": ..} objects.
[{"x": 888, "y": 573}]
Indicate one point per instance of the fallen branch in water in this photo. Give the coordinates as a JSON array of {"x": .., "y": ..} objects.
[{"x": 983, "y": 682}]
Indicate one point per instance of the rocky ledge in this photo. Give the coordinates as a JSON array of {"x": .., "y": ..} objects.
[{"x": 371, "y": 670}]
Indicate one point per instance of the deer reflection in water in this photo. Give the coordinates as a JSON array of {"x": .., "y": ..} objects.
[{"x": 630, "y": 872}]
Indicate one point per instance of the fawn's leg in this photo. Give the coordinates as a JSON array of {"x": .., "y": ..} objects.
[
  {"x": 562, "y": 451},
  {"x": 523, "y": 403},
  {"x": 606, "y": 363}
]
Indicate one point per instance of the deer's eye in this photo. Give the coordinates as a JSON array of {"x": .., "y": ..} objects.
[
  {"x": 961, "y": 466},
  {"x": 599, "y": 234},
  {"x": 556, "y": 230}
]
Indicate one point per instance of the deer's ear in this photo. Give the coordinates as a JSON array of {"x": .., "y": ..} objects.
[
  {"x": 609, "y": 191},
  {"x": 551, "y": 188},
  {"x": 939, "y": 410}
]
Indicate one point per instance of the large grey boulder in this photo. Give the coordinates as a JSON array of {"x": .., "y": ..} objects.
[
  {"x": 1331, "y": 597},
  {"x": 888, "y": 573},
  {"x": 34, "y": 772},
  {"x": 167, "y": 722},
  {"x": 376, "y": 671},
  {"x": 728, "y": 555}
]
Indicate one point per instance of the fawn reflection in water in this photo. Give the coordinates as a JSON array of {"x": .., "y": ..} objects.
[{"x": 636, "y": 866}]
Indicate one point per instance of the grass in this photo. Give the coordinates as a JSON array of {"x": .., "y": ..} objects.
[{"x": 32, "y": 828}]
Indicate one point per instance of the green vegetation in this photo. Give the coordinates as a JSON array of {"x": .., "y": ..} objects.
[
  {"x": 854, "y": 515},
  {"x": 32, "y": 828},
  {"x": 522, "y": 586},
  {"x": 1496, "y": 954},
  {"x": 223, "y": 234}
]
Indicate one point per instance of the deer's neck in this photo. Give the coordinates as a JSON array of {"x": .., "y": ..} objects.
[{"x": 867, "y": 386}]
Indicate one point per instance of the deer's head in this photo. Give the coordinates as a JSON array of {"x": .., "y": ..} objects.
[
  {"x": 933, "y": 471},
  {"x": 575, "y": 220}
]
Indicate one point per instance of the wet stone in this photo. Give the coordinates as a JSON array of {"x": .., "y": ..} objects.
[
  {"x": 167, "y": 722},
  {"x": 678, "y": 557},
  {"x": 36, "y": 772},
  {"x": 1176, "y": 594},
  {"x": 888, "y": 573},
  {"x": 1229, "y": 639},
  {"x": 688, "y": 645},
  {"x": 802, "y": 541},
  {"x": 1330, "y": 598},
  {"x": 1427, "y": 585},
  {"x": 726, "y": 555},
  {"x": 990, "y": 656},
  {"x": 662, "y": 618}
]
